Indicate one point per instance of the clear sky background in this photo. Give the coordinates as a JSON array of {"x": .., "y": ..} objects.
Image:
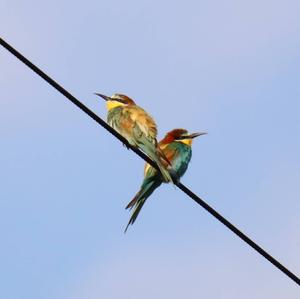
[{"x": 230, "y": 68}]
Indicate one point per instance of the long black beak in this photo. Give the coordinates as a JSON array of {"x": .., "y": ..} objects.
[
  {"x": 194, "y": 135},
  {"x": 106, "y": 98}
]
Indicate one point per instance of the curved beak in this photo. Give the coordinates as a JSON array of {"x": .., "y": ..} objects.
[
  {"x": 106, "y": 98},
  {"x": 194, "y": 135}
]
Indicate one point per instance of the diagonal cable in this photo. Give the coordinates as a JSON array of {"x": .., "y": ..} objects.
[{"x": 182, "y": 187}]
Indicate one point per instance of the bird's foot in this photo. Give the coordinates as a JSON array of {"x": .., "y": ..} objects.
[
  {"x": 126, "y": 145},
  {"x": 174, "y": 176},
  {"x": 176, "y": 180}
]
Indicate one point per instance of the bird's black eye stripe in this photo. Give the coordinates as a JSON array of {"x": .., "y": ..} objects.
[
  {"x": 182, "y": 137},
  {"x": 119, "y": 100}
]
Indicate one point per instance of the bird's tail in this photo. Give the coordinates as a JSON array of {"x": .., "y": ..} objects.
[{"x": 148, "y": 186}]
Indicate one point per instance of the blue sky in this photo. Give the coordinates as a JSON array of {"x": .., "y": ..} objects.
[{"x": 230, "y": 68}]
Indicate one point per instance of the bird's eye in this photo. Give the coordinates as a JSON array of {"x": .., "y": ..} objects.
[
  {"x": 182, "y": 137},
  {"x": 118, "y": 100}
]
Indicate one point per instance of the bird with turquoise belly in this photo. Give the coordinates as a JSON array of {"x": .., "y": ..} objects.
[{"x": 177, "y": 147}]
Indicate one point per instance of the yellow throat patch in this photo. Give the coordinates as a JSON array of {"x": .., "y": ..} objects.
[
  {"x": 113, "y": 104},
  {"x": 187, "y": 141}
]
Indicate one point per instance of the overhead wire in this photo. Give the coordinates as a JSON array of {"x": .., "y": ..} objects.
[{"x": 181, "y": 186}]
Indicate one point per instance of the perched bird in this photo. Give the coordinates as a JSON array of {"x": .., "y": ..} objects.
[
  {"x": 176, "y": 146},
  {"x": 138, "y": 127}
]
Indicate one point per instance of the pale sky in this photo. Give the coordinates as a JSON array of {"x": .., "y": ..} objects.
[{"x": 230, "y": 68}]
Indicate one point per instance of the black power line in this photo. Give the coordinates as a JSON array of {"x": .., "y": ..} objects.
[{"x": 186, "y": 190}]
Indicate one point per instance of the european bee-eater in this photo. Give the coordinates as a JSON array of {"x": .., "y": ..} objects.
[
  {"x": 177, "y": 147},
  {"x": 137, "y": 126}
]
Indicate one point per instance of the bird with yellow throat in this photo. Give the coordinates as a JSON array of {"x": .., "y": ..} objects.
[
  {"x": 177, "y": 147},
  {"x": 137, "y": 127}
]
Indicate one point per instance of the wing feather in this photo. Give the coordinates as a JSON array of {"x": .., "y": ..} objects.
[{"x": 143, "y": 121}]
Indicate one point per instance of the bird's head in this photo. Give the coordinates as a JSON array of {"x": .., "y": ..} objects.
[
  {"x": 181, "y": 135},
  {"x": 116, "y": 100}
]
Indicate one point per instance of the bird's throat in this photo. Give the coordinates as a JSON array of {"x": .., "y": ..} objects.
[
  {"x": 113, "y": 104},
  {"x": 187, "y": 141}
]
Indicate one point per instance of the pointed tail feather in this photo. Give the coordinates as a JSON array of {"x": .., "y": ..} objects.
[
  {"x": 148, "y": 186},
  {"x": 135, "y": 213},
  {"x": 132, "y": 203}
]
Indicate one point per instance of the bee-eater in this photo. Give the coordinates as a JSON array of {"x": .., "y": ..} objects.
[
  {"x": 177, "y": 147},
  {"x": 137, "y": 126}
]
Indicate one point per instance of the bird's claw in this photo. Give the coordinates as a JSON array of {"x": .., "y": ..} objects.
[
  {"x": 176, "y": 179},
  {"x": 126, "y": 145},
  {"x": 174, "y": 176}
]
